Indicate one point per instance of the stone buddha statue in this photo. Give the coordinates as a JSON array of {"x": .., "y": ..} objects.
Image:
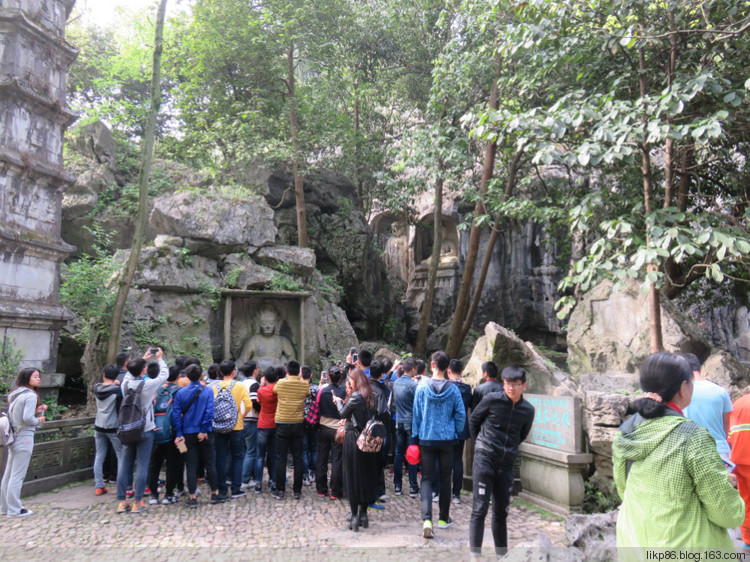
[{"x": 268, "y": 348}]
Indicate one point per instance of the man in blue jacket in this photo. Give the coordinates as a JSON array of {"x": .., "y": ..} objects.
[
  {"x": 437, "y": 420},
  {"x": 192, "y": 419}
]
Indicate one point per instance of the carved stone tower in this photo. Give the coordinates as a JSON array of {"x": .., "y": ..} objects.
[{"x": 34, "y": 60}]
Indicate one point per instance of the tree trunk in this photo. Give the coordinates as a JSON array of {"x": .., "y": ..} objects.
[
  {"x": 654, "y": 301},
  {"x": 464, "y": 292},
  {"x": 299, "y": 191},
  {"x": 424, "y": 320},
  {"x": 143, "y": 179}
]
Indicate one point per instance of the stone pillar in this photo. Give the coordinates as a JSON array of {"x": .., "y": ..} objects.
[{"x": 34, "y": 60}]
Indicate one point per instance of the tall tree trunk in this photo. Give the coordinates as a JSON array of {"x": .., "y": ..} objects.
[
  {"x": 424, "y": 320},
  {"x": 654, "y": 300},
  {"x": 509, "y": 188},
  {"x": 464, "y": 291},
  {"x": 147, "y": 154},
  {"x": 299, "y": 191}
]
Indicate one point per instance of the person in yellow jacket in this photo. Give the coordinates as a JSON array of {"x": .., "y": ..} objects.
[
  {"x": 290, "y": 412},
  {"x": 676, "y": 492},
  {"x": 230, "y": 441}
]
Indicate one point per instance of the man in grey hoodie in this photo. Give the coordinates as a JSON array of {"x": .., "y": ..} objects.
[
  {"x": 139, "y": 453},
  {"x": 108, "y": 398}
]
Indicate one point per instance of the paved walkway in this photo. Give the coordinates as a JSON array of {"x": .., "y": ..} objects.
[{"x": 72, "y": 523}]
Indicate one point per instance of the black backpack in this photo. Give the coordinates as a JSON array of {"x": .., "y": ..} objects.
[{"x": 132, "y": 417}]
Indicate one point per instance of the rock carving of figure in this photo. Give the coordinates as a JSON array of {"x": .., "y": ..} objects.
[
  {"x": 396, "y": 251},
  {"x": 268, "y": 347}
]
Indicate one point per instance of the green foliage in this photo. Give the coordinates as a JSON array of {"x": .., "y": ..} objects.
[
  {"x": 54, "y": 410},
  {"x": 284, "y": 282},
  {"x": 212, "y": 294},
  {"x": 10, "y": 361},
  {"x": 595, "y": 501},
  {"x": 232, "y": 278},
  {"x": 86, "y": 286}
]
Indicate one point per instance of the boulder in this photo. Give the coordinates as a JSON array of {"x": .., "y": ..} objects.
[
  {"x": 330, "y": 335},
  {"x": 438, "y": 339},
  {"x": 594, "y": 535},
  {"x": 223, "y": 220},
  {"x": 166, "y": 268},
  {"x": 505, "y": 348},
  {"x": 95, "y": 141},
  {"x": 295, "y": 260},
  {"x": 241, "y": 272},
  {"x": 609, "y": 329},
  {"x": 726, "y": 371},
  {"x": 541, "y": 549}
]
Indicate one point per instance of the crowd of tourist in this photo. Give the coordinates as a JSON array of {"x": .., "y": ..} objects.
[{"x": 677, "y": 461}]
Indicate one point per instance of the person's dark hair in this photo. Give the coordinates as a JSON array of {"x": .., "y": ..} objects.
[
  {"x": 193, "y": 372},
  {"x": 174, "y": 373},
  {"x": 409, "y": 364},
  {"x": 693, "y": 361},
  {"x": 226, "y": 367},
  {"x": 135, "y": 367},
  {"x": 152, "y": 370},
  {"x": 361, "y": 384},
  {"x": 421, "y": 367},
  {"x": 24, "y": 376},
  {"x": 387, "y": 365},
  {"x": 271, "y": 375},
  {"x": 490, "y": 368},
  {"x": 441, "y": 360},
  {"x": 121, "y": 358},
  {"x": 192, "y": 361},
  {"x": 306, "y": 372},
  {"x": 293, "y": 368},
  {"x": 181, "y": 361},
  {"x": 335, "y": 374},
  {"x": 280, "y": 372},
  {"x": 376, "y": 370},
  {"x": 213, "y": 371},
  {"x": 400, "y": 371},
  {"x": 110, "y": 372},
  {"x": 248, "y": 368},
  {"x": 456, "y": 366},
  {"x": 514, "y": 373},
  {"x": 365, "y": 357},
  {"x": 662, "y": 373}
]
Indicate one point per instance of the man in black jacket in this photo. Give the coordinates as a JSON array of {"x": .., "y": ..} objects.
[
  {"x": 490, "y": 384},
  {"x": 499, "y": 424},
  {"x": 328, "y": 424}
]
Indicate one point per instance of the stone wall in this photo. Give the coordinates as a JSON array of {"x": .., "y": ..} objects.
[{"x": 34, "y": 59}]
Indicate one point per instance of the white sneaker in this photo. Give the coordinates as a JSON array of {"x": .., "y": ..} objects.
[
  {"x": 153, "y": 500},
  {"x": 435, "y": 498},
  {"x": 456, "y": 500},
  {"x": 383, "y": 497}
]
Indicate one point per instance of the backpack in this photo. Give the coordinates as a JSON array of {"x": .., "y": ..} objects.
[
  {"x": 132, "y": 417},
  {"x": 7, "y": 431},
  {"x": 164, "y": 432},
  {"x": 371, "y": 438},
  {"x": 225, "y": 410},
  {"x": 313, "y": 414}
]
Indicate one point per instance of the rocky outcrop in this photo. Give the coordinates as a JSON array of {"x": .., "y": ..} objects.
[
  {"x": 610, "y": 330},
  {"x": 726, "y": 371},
  {"x": 505, "y": 348},
  {"x": 222, "y": 221},
  {"x": 594, "y": 535}
]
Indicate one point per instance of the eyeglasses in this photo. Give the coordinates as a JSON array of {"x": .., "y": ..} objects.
[{"x": 513, "y": 385}]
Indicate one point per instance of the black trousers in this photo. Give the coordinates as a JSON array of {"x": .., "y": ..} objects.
[
  {"x": 159, "y": 454},
  {"x": 203, "y": 451},
  {"x": 492, "y": 479},
  {"x": 444, "y": 457},
  {"x": 327, "y": 446},
  {"x": 289, "y": 437}
]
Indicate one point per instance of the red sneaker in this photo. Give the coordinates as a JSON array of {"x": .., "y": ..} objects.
[{"x": 101, "y": 491}]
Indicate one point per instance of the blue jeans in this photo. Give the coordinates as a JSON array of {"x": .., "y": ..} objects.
[
  {"x": 266, "y": 446},
  {"x": 403, "y": 440},
  {"x": 101, "y": 439},
  {"x": 140, "y": 455},
  {"x": 225, "y": 444},
  {"x": 310, "y": 448},
  {"x": 251, "y": 444}
]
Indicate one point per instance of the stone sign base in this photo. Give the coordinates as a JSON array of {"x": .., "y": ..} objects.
[{"x": 553, "y": 479}]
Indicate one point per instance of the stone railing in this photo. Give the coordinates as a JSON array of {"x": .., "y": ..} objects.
[{"x": 63, "y": 453}]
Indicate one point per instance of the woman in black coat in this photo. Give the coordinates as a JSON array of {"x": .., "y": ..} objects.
[{"x": 360, "y": 469}]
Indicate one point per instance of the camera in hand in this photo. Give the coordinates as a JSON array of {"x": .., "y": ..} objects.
[{"x": 154, "y": 350}]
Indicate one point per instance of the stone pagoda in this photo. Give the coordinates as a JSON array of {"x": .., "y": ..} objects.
[{"x": 34, "y": 60}]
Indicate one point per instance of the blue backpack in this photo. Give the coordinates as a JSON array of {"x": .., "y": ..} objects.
[{"x": 163, "y": 401}]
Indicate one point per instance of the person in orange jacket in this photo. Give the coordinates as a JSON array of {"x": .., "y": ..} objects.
[{"x": 739, "y": 439}]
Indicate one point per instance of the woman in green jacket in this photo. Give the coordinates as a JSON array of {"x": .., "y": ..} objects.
[{"x": 676, "y": 492}]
